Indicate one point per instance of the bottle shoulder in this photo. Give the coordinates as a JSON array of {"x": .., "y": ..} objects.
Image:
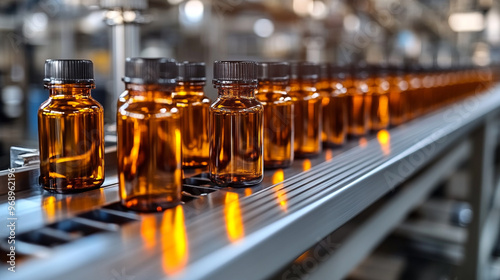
[
  {"x": 236, "y": 104},
  {"x": 70, "y": 106},
  {"x": 273, "y": 97},
  {"x": 304, "y": 94},
  {"x": 191, "y": 99}
]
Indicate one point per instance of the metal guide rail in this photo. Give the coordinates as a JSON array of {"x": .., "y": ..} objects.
[{"x": 224, "y": 233}]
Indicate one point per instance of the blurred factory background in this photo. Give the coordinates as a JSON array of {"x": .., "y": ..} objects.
[{"x": 432, "y": 33}]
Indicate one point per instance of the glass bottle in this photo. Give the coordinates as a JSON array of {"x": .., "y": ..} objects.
[
  {"x": 334, "y": 103},
  {"x": 70, "y": 129},
  {"x": 397, "y": 89},
  {"x": 357, "y": 109},
  {"x": 307, "y": 107},
  {"x": 190, "y": 99},
  {"x": 278, "y": 113},
  {"x": 236, "y": 126},
  {"x": 379, "y": 91},
  {"x": 149, "y": 137}
]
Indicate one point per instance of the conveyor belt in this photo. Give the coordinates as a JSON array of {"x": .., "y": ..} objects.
[{"x": 219, "y": 233}]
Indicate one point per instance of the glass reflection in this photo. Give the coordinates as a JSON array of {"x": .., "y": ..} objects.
[
  {"x": 56, "y": 205},
  {"x": 148, "y": 231},
  {"x": 248, "y": 191},
  {"x": 384, "y": 139},
  {"x": 278, "y": 178},
  {"x": 174, "y": 240},
  {"x": 363, "y": 142},
  {"x": 232, "y": 215},
  {"x": 306, "y": 165},
  {"x": 328, "y": 154}
]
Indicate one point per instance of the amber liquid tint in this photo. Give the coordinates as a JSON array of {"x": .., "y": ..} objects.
[
  {"x": 308, "y": 118},
  {"x": 193, "y": 105},
  {"x": 357, "y": 113},
  {"x": 278, "y": 124},
  {"x": 236, "y": 144},
  {"x": 334, "y": 117},
  {"x": 71, "y": 139},
  {"x": 397, "y": 102},
  {"x": 379, "y": 104},
  {"x": 149, "y": 151}
]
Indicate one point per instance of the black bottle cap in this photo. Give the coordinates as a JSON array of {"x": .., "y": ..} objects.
[
  {"x": 273, "y": 71},
  {"x": 192, "y": 71},
  {"x": 304, "y": 71},
  {"x": 235, "y": 71},
  {"x": 150, "y": 71},
  {"x": 59, "y": 71}
]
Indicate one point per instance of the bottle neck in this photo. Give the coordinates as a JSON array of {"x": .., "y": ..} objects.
[
  {"x": 189, "y": 88},
  {"x": 69, "y": 90},
  {"x": 302, "y": 85},
  {"x": 236, "y": 90},
  {"x": 272, "y": 86},
  {"x": 149, "y": 92}
]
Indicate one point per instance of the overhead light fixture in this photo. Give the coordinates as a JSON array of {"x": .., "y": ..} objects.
[
  {"x": 263, "y": 27},
  {"x": 466, "y": 22}
]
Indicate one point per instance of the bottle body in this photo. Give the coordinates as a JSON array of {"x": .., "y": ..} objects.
[
  {"x": 356, "y": 108},
  {"x": 193, "y": 106},
  {"x": 308, "y": 118},
  {"x": 278, "y": 124},
  {"x": 379, "y": 107},
  {"x": 397, "y": 102},
  {"x": 149, "y": 151},
  {"x": 71, "y": 139},
  {"x": 236, "y": 142},
  {"x": 334, "y": 117}
]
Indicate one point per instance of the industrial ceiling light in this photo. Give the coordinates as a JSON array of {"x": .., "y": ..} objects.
[{"x": 466, "y": 22}]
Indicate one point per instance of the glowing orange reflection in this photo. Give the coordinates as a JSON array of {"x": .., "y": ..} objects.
[
  {"x": 49, "y": 207},
  {"x": 55, "y": 205},
  {"x": 328, "y": 155},
  {"x": 301, "y": 257},
  {"x": 384, "y": 138},
  {"x": 174, "y": 240},
  {"x": 278, "y": 178},
  {"x": 306, "y": 165},
  {"x": 148, "y": 231},
  {"x": 248, "y": 191},
  {"x": 232, "y": 215},
  {"x": 363, "y": 142}
]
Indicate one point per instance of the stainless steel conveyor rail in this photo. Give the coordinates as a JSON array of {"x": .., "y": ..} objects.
[{"x": 218, "y": 233}]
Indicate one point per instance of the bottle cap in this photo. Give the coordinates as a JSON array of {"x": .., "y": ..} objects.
[
  {"x": 150, "y": 71},
  {"x": 273, "y": 71},
  {"x": 192, "y": 71},
  {"x": 59, "y": 71},
  {"x": 304, "y": 71},
  {"x": 235, "y": 71}
]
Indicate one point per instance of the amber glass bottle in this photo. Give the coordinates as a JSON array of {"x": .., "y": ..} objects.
[
  {"x": 236, "y": 126},
  {"x": 149, "y": 137},
  {"x": 278, "y": 113},
  {"x": 190, "y": 99},
  {"x": 357, "y": 109},
  {"x": 334, "y": 102},
  {"x": 397, "y": 95},
  {"x": 70, "y": 129},
  {"x": 307, "y": 107},
  {"x": 414, "y": 92},
  {"x": 379, "y": 91}
]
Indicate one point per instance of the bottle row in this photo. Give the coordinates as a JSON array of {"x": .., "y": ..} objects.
[{"x": 265, "y": 115}]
